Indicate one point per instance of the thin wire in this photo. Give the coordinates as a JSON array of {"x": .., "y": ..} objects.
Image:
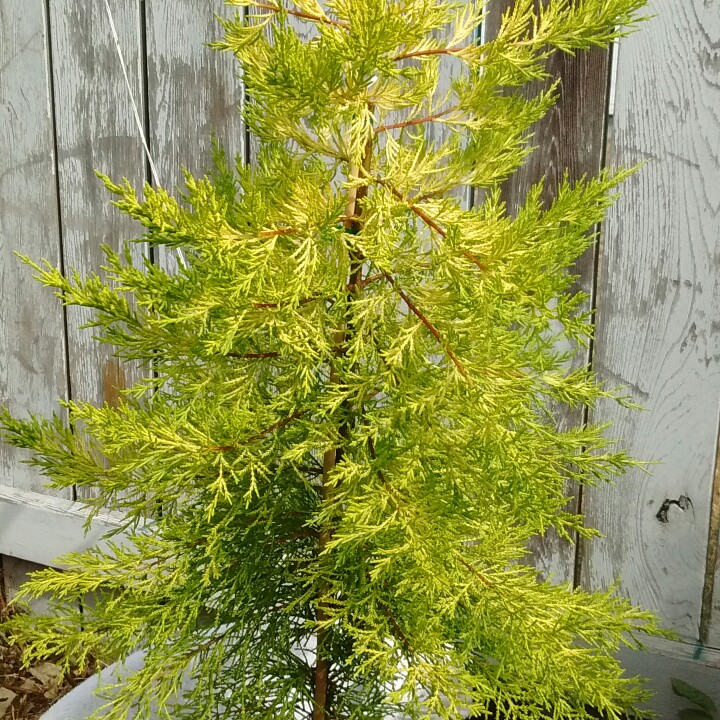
[{"x": 136, "y": 113}]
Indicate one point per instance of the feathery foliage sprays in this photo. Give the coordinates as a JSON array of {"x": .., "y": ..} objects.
[{"x": 347, "y": 417}]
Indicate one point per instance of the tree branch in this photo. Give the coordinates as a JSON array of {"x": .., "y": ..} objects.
[
  {"x": 475, "y": 571},
  {"x": 263, "y": 433},
  {"x": 425, "y": 217},
  {"x": 417, "y": 121},
  {"x": 292, "y": 230},
  {"x": 321, "y": 697},
  {"x": 371, "y": 279},
  {"x": 424, "y": 53},
  {"x": 295, "y": 536},
  {"x": 304, "y": 15},
  {"x": 435, "y": 332},
  {"x": 400, "y": 634},
  {"x": 253, "y": 356}
]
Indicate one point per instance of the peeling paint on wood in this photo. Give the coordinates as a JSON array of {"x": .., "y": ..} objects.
[
  {"x": 32, "y": 350},
  {"x": 113, "y": 381},
  {"x": 96, "y": 130}
]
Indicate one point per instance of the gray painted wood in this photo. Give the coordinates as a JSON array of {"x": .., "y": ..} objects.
[
  {"x": 192, "y": 90},
  {"x": 16, "y": 572},
  {"x": 570, "y": 137},
  {"x": 96, "y": 130},
  {"x": 62, "y": 521},
  {"x": 657, "y": 327},
  {"x": 32, "y": 353},
  {"x": 659, "y": 669}
]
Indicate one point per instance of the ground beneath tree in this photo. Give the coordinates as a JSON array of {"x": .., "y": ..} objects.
[{"x": 25, "y": 694}]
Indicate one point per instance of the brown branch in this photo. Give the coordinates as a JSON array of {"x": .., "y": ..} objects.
[
  {"x": 321, "y": 696},
  {"x": 401, "y": 635},
  {"x": 292, "y": 230},
  {"x": 295, "y": 536},
  {"x": 371, "y": 279},
  {"x": 253, "y": 356},
  {"x": 278, "y": 231},
  {"x": 304, "y": 301},
  {"x": 417, "y": 121},
  {"x": 475, "y": 571},
  {"x": 435, "y": 51},
  {"x": 435, "y": 332},
  {"x": 425, "y": 218},
  {"x": 263, "y": 433},
  {"x": 303, "y": 15}
]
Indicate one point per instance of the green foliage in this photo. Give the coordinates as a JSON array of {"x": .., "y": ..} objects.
[
  {"x": 345, "y": 435},
  {"x": 706, "y": 707}
]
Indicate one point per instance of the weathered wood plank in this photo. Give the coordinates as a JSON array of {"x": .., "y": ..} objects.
[
  {"x": 192, "y": 90},
  {"x": 657, "y": 327},
  {"x": 32, "y": 350},
  {"x": 23, "y": 514},
  {"x": 659, "y": 669},
  {"x": 570, "y": 137},
  {"x": 96, "y": 130},
  {"x": 16, "y": 572}
]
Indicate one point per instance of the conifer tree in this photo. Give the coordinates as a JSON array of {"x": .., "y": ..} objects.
[{"x": 345, "y": 437}]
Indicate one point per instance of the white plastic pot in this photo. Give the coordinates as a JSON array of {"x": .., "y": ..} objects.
[{"x": 83, "y": 700}]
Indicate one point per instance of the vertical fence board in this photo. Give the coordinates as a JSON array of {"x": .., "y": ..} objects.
[
  {"x": 659, "y": 302},
  {"x": 95, "y": 131},
  {"x": 32, "y": 352},
  {"x": 192, "y": 89},
  {"x": 570, "y": 137}
]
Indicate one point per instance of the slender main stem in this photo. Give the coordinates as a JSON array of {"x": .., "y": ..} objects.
[{"x": 332, "y": 456}]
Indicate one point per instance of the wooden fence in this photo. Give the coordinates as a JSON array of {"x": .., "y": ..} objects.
[{"x": 654, "y": 276}]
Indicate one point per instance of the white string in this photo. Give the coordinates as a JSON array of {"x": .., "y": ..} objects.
[{"x": 136, "y": 113}]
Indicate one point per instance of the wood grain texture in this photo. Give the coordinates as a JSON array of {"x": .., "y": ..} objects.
[
  {"x": 32, "y": 351},
  {"x": 192, "y": 90},
  {"x": 96, "y": 130},
  {"x": 570, "y": 137},
  {"x": 659, "y": 301}
]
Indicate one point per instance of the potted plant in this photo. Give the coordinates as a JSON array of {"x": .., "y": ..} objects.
[{"x": 345, "y": 439}]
